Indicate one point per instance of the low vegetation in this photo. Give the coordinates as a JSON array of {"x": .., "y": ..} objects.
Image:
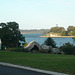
[{"x": 68, "y": 49}]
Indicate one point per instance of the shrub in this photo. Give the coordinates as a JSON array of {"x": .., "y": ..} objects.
[
  {"x": 68, "y": 48},
  {"x": 18, "y": 49},
  {"x": 25, "y": 44}
]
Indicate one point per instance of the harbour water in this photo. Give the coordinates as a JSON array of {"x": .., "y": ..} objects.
[{"x": 40, "y": 40}]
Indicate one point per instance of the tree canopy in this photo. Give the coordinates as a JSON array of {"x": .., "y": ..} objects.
[
  {"x": 10, "y": 35},
  {"x": 57, "y": 29},
  {"x": 61, "y": 30},
  {"x": 71, "y": 30}
]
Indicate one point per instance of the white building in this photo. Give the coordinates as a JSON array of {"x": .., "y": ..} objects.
[{"x": 0, "y": 43}]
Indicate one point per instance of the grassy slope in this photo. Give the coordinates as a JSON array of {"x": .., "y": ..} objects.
[{"x": 58, "y": 63}]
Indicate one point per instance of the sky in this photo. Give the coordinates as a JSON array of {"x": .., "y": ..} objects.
[{"x": 38, "y": 14}]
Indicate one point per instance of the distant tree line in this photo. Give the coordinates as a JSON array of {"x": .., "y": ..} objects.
[
  {"x": 61, "y": 30},
  {"x": 43, "y": 31}
]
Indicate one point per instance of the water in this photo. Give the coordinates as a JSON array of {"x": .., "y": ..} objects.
[{"x": 40, "y": 40}]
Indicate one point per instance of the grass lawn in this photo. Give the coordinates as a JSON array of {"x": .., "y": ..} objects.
[{"x": 52, "y": 62}]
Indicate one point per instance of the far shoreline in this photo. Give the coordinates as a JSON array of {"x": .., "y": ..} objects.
[
  {"x": 58, "y": 36},
  {"x": 31, "y": 33},
  {"x": 49, "y": 36}
]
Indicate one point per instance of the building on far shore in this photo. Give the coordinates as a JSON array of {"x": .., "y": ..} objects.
[
  {"x": 53, "y": 34},
  {"x": 0, "y": 43}
]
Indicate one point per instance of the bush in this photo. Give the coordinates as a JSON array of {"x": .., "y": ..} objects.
[
  {"x": 25, "y": 44},
  {"x": 18, "y": 49},
  {"x": 50, "y": 42},
  {"x": 68, "y": 49}
]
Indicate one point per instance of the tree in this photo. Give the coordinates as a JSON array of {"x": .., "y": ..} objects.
[
  {"x": 72, "y": 33},
  {"x": 10, "y": 35},
  {"x": 57, "y": 29},
  {"x": 71, "y": 28},
  {"x": 64, "y": 33},
  {"x": 50, "y": 42}
]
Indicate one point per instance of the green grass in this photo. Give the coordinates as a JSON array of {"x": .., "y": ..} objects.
[{"x": 52, "y": 62}]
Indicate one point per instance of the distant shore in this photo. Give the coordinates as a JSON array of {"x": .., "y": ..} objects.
[
  {"x": 48, "y": 36},
  {"x": 29, "y": 33},
  {"x": 57, "y": 36}
]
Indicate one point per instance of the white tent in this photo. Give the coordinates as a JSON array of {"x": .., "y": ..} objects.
[{"x": 0, "y": 43}]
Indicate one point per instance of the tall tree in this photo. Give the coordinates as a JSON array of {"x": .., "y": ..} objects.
[
  {"x": 50, "y": 42},
  {"x": 10, "y": 35}
]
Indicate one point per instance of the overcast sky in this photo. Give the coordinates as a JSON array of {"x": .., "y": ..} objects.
[{"x": 38, "y": 14}]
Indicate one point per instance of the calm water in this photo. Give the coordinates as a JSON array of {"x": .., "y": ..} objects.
[{"x": 40, "y": 40}]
